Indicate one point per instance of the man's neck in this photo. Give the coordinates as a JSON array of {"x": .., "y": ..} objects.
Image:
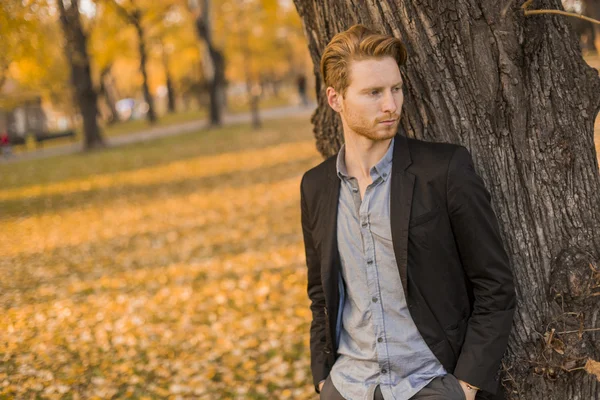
[{"x": 362, "y": 154}]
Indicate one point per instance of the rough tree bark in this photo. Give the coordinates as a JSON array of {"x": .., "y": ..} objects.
[
  {"x": 85, "y": 95},
  {"x": 515, "y": 91}
]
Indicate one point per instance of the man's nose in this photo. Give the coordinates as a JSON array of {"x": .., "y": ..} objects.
[{"x": 389, "y": 103}]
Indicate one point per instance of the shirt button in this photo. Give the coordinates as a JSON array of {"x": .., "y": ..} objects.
[
  {"x": 364, "y": 224},
  {"x": 380, "y": 340},
  {"x": 355, "y": 189},
  {"x": 384, "y": 371},
  {"x": 369, "y": 262},
  {"x": 384, "y": 174},
  {"x": 374, "y": 299}
]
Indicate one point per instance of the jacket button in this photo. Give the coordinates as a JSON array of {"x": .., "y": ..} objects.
[{"x": 326, "y": 351}]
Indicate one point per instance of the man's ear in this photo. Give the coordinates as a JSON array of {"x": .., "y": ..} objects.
[{"x": 334, "y": 99}]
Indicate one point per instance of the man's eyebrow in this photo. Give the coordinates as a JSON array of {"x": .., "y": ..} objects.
[{"x": 368, "y": 89}]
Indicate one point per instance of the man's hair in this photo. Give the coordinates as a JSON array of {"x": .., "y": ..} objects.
[{"x": 355, "y": 44}]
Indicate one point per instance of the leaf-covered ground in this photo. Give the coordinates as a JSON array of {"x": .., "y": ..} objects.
[{"x": 171, "y": 269}]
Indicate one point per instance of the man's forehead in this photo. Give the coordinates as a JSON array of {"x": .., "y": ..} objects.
[{"x": 374, "y": 72}]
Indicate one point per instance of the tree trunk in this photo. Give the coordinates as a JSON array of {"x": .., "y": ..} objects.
[
  {"x": 137, "y": 23},
  {"x": 3, "y": 72},
  {"x": 515, "y": 91},
  {"x": 254, "y": 97},
  {"x": 170, "y": 94},
  {"x": 169, "y": 82},
  {"x": 216, "y": 65},
  {"x": 76, "y": 52},
  {"x": 591, "y": 8},
  {"x": 253, "y": 90},
  {"x": 106, "y": 91}
]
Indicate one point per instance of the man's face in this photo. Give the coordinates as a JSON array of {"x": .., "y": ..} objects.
[{"x": 373, "y": 101}]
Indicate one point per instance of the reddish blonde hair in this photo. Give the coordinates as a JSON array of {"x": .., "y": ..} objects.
[{"x": 355, "y": 44}]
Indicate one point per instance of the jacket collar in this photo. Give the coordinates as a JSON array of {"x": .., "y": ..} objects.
[{"x": 401, "y": 158}]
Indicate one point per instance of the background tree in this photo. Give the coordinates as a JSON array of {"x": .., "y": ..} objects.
[
  {"x": 15, "y": 25},
  {"x": 515, "y": 90},
  {"x": 249, "y": 32},
  {"x": 264, "y": 45},
  {"x": 109, "y": 41},
  {"x": 108, "y": 94},
  {"x": 169, "y": 37},
  {"x": 134, "y": 15},
  {"x": 591, "y": 8},
  {"x": 28, "y": 51},
  {"x": 81, "y": 78},
  {"x": 168, "y": 33},
  {"x": 165, "y": 51},
  {"x": 214, "y": 62}
]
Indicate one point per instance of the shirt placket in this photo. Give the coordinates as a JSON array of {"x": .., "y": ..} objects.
[{"x": 372, "y": 275}]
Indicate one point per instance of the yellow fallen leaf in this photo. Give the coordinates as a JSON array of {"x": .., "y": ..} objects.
[{"x": 593, "y": 367}]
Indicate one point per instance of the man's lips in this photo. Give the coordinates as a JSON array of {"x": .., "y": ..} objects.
[{"x": 388, "y": 121}]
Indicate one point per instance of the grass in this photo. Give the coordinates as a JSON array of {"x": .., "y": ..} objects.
[{"x": 44, "y": 171}]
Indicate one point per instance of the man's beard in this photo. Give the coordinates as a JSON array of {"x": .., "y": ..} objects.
[{"x": 378, "y": 132}]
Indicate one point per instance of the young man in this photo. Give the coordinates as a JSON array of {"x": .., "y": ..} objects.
[{"x": 411, "y": 291}]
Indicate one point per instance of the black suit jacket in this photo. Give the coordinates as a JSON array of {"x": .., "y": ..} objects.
[{"x": 454, "y": 270}]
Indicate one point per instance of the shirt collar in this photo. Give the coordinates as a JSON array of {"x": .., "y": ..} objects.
[
  {"x": 381, "y": 169},
  {"x": 340, "y": 165}
]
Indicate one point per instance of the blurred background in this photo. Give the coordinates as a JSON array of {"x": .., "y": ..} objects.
[
  {"x": 145, "y": 60},
  {"x": 150, "y": 242}
]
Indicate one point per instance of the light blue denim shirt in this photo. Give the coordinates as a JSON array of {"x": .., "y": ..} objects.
[{"x": 379, "y": 343}]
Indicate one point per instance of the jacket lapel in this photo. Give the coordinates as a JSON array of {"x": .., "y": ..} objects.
[
  {"x": 330, "y": 255},
  {"x": 401, "y": 194}
]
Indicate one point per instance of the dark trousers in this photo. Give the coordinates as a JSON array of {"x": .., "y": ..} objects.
[{"x": 444, "y": 387}]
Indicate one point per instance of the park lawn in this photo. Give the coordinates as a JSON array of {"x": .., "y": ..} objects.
[
  {"x": 236, "y": 107},
  {"x": 168, "y": 268},
  {"x": 135, "y": 126}
]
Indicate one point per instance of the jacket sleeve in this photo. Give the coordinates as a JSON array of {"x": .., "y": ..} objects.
[
  {"x": 318, "y": 358},
  {"x": 487, "y": 267}
]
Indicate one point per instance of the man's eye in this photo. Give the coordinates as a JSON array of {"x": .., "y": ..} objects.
[
  {"x": 374, "y": 92},
  {"x": 397, "y": 89}
]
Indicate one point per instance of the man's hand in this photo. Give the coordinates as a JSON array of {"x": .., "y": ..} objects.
[{"x": 469, "y": 393}]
